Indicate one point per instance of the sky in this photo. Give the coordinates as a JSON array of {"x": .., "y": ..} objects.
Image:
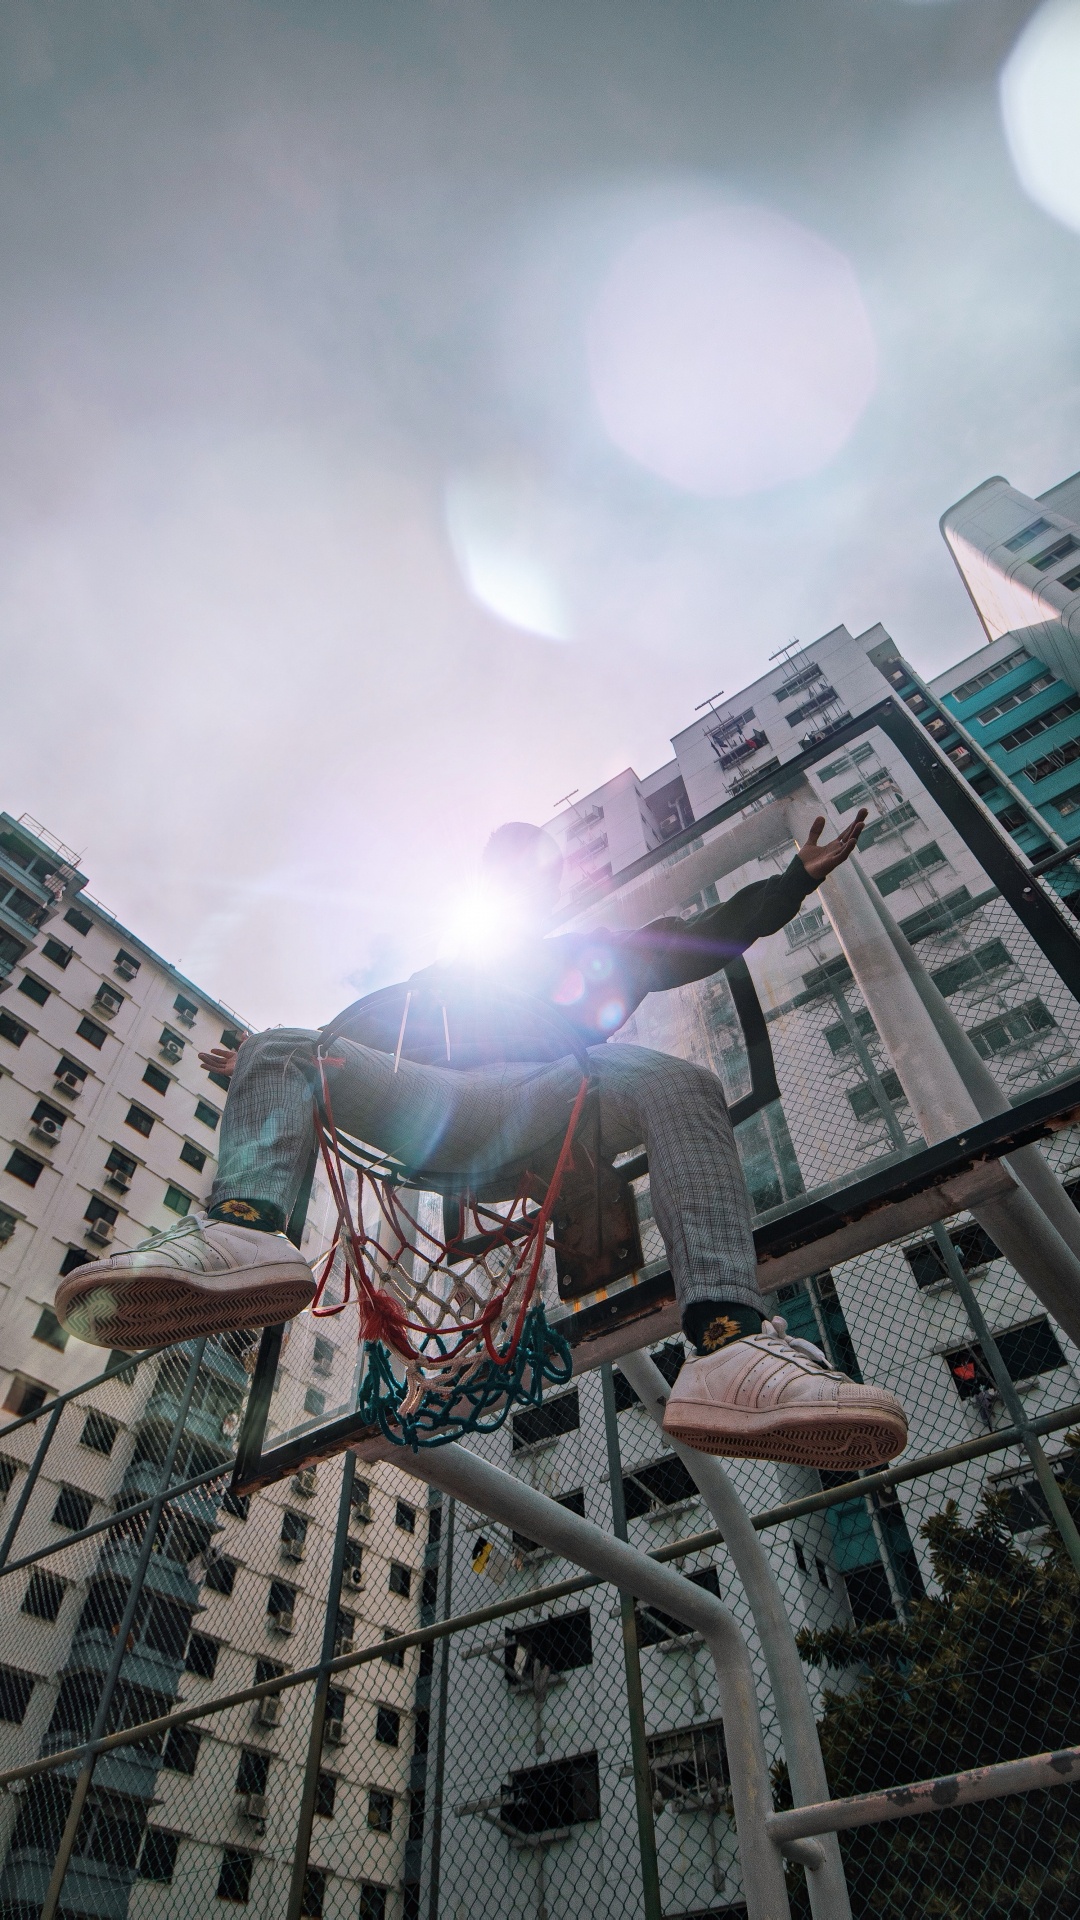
[{"x": 412, "y": 409}]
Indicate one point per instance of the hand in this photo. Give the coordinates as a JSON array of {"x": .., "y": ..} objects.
[
  {"x": 220, "y": 1060},
  {"x": 820, "y": 860}
]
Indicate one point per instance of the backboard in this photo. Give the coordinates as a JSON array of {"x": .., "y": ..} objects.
[{"x": 833, "y": 1156}]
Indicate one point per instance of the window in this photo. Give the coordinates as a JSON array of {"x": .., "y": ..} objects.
[
  {"x": 969, "y": 688},
  {"x": 396, "y": 1656},
  {"x": 322, "y": 1357},
  {"x": 559, "y": 1645},
  {"x": 138, "y": 1118},
  {"x": 869, "y": 1594},
  {"x": 281, "y": 1601},
  {"x": 252, "y": 1770},
  {"x": 1025, "y": 534},
  {"x": 313, "y": 1893},
  {"x": 387, "y": 1726},
  {"x": 99, "y": 1432},
  {"x": 177, "y": 1200},
  {"x": 8, "y": 1471},
  {"x": 25, "y": 1395},
  {"x": 1050, "y": 556},
  {"x": 15, "y": 1690},
  {"x": 991, "y": 957},
  {"x": 973, "y": 1246},
  {"x": 314, "y": 1402},
  {"x": 405, "y": 1517},
  {"x": 805, "y": 926},
  {"x": 546, "y": 1422},
  {"x": 655, "y": 1627},
  {"x": 372, "y": 1901},
  {"x": 1005, "y": 702},
  {"x": 1039, "y": 724},
  {"x": 336, "y": 1699},
  {"x": 565, "y": 1793},
  {"x": 1012, "y": 1029},
  {"x": 120, "y": 1162},
  {"x": 822, "y": 1574},
  {"x": 838, "y": 1038},
  {"x": 236, "y": 1503},
  {"x": 193, "y": 1156},
  {"x": 648, "y": 1489},
  {"x": 34, "y": 989},
  {"x": 380, "y": 1810},
  {"x": 154, "y": 1077},
  {"x": 74, "y": 1257},
  {"x": 73, "y": 1509},
  {"x": 186, "y": 1008},
  {"x": 24, "y": 1167},
  {"x": 59, "y": 955},
  {"x": 1066, "y": 803},
  {"x": 12, "y": 1029},
  {"x": 201, "y": 1656},
  {"x": 294, "y": 1528},
  {"x": 344, "y": 1631},
  {"x": 864, "y": 1100},
  {"x": 44, "y": 1595},
  {"x": 354, "y": 1556},
  {"x": 360, "y": 1500},
  {"x": 181, "y": 1751},
  {"x": 1029, "y": 1349},
  {"x": 89, "y": 1030},
  {"x": 903, "y": 872},
  {"x": 688, "y": 1769},
  {"x": 45, "y": 1111},
  {"x": 8, "y": 1223},
  {"x": 49, "y": 1331},
  {"x": 81, "y": 922},
  {"x": 400, "y": 1579},
  {"x": 157, "y": 1860},
  {"x": 100, "y": 1210},
  {"x": 206, "y": 1113},
  {"x": 127, "y": 963},
  {"x": 325, "y": 1794},
  {"x": 800, "y": 1557},
  {"x": 1053, "y": 761},
  {"x": 221, "y": 1574},
  {"x": 234, "y": 1880}
]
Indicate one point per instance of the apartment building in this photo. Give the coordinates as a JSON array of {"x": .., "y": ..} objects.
[
  {"x": 109, "y": 1130},
  {"x": 544, "y": 1815}
]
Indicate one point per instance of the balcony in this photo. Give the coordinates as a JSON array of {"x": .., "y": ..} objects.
[
  {"x": 733, "y": 753},
  {"x": 91, "y": 1889},
  {"x": 91, "y": 1650}
]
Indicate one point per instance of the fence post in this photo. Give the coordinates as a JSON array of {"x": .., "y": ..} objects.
[
  {"x": 651, "y": 1904},
  {"x": 306, "y": 1818},
  {"x": 30, "y": 1482},
  {"x": 153, "y": 1521},
  {"x": 440, "y": 1725}
]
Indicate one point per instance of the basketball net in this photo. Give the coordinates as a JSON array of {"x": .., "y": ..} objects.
[{"x": 454, "y": 1335}]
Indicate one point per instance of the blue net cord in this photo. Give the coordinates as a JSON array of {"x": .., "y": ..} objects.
[{"x": 480, "y": 1403}]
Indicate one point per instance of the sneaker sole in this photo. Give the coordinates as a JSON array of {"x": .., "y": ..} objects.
[
  {"x": 848, "y": 1442},
  {"x": 130, "y": 1311}
]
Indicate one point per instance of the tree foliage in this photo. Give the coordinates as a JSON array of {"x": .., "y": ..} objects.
[{"x": 987, "y": 1669}]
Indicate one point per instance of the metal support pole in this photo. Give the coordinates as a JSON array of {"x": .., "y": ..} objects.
[
  {"x": 30, "y": 1482},
  {"x": 306, "y": 1816},
  {"x": 440, "y": 1725},
  {"x": 490, "y": 1491},
  {"x": 1011, "y": 1400},
  {"x": 108, "y": 1689},
  {"x": 651, "y": 1904},
  {"x": 826, "y": 1885}
]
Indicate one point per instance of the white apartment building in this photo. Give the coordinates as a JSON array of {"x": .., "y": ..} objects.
[
  {"x": 1019, "y": 557},
  {"x": 109, "y": 1130}
]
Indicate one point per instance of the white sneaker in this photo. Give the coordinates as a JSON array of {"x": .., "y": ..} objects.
[
  {"x": 769, "y": 1397},
  {"x": 202, "y": 1276}
]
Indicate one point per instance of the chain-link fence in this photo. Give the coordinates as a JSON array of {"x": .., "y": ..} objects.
[{"x": 557, "y": 1752}]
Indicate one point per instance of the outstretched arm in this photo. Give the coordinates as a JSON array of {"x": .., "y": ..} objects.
[{"x": 673, "y": 952}]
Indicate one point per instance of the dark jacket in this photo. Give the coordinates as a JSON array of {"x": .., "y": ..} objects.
[{"x": 568, "y": 991}]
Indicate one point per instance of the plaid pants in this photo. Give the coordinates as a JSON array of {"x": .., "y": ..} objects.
[{"x": 488, "y": 1122}]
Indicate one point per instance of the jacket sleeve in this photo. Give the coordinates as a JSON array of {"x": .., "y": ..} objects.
[{"x": 673, "y": 952}]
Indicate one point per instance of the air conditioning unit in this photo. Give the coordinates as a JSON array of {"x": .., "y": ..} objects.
[
  {"x": 127, "y": 969},
  {"x": 47, "y": 1128},
  {"x": 361, "y": 1510},
  {"x": 172, "y": 1050},
  {"x": 344, "y": 1644},
  {"x": 304, "y": 1481},
  {"x": 283, "y": 1622},
  {"x": 69, "y": 1083},
  {"x": 293, "y": 1549},
  {"x": 268, "y": 1711},
  {"x": 352, "y": 1580},
  {"x": 334, "y": 1733},
  {"x": 251, "y": 1806},
  {"x": 185, "y": 1015},
  {"x": 108, "y": 1002},
  {"x": 100, "y": 1230},
  {"x": 120, "y": 1181}
]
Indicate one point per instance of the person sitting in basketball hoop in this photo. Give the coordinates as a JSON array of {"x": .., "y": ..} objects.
[{"x": 477, "y": 1070}]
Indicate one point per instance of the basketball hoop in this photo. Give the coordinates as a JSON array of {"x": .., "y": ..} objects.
[{"x": 453, "y": 1334}]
